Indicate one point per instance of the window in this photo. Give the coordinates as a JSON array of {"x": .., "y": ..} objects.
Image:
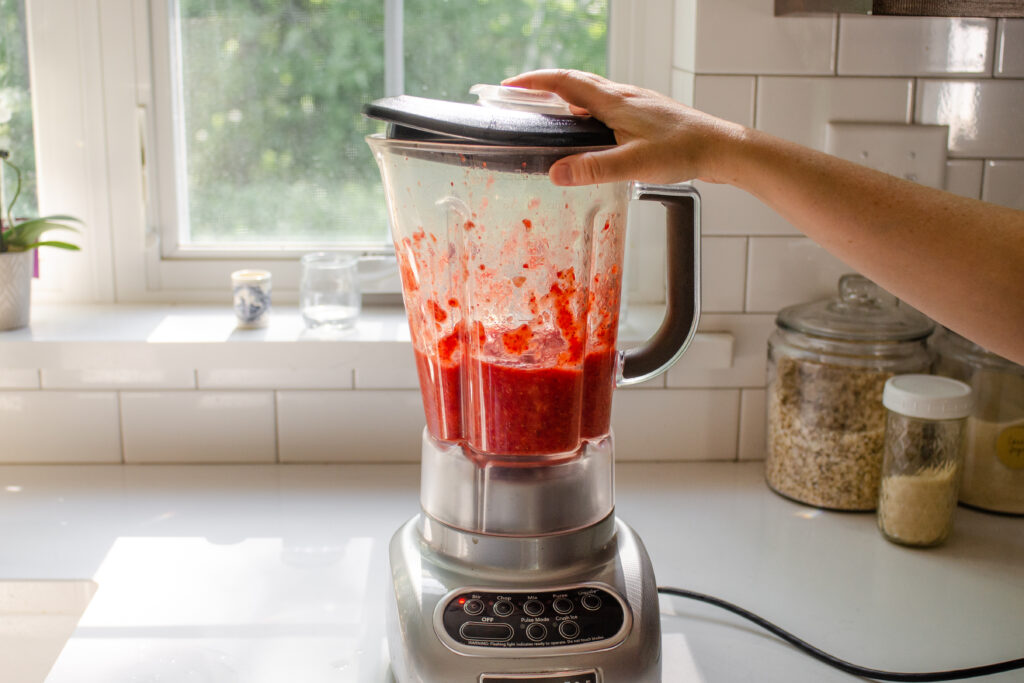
[
  {"x": 16, "y": 109},
  {"x": 196, "y": 137},
  {"x": 269, "y": 147}
]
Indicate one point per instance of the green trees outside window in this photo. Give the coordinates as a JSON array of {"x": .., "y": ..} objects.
[{"x": 273, "y": 91}]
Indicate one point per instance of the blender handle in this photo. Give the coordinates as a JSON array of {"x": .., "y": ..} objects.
[{"x": 682, "y": 296}]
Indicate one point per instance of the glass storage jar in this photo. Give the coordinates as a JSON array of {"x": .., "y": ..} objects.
[
  {"x": 924, "y": 444},
  {"x": 993, "y": 475},
  {"x": 827, "y": 364}
]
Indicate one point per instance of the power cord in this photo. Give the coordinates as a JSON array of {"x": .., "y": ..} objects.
[{"x": 842, "y": 665}]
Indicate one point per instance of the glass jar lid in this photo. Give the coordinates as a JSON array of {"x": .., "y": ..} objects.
[
  {"x": 862, "y": 312},
  {"x": 952, "y": 345}
]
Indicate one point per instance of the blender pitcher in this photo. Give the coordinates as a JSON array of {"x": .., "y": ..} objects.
[{"x": 512, "y": 285}]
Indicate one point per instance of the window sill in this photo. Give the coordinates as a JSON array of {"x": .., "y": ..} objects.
[{"x": 199, "y": 347}]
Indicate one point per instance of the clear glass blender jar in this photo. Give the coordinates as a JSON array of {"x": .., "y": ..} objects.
[
  {"x": 512, "y": 285},
  {"x": 512, "y": 290}
]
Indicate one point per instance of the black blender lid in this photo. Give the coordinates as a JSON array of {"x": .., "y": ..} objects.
[{"x": 423, "y": 119}]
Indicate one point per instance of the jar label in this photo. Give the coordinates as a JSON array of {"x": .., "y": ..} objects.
[{"x": 1010, "y": 447}]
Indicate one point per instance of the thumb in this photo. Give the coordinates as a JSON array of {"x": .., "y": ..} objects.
[{"x": 591, "y": 168}]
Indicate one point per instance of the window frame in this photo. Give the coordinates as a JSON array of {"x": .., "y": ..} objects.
[{"x": 128, "y": 193}]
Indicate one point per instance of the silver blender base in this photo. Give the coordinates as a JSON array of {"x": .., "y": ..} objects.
[{"x": 461, "y": 604}]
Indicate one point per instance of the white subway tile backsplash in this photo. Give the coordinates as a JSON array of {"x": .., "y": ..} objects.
[
  {"x": 963, "y": 177},
  {"x": 800, "y": 109},
  {"x": 726, "y": 210},
  {"x": 684, "y": 48},
  {"x": 1004, "y": 183},
  {"x": 752, "y": 425},
  {"x": 391, "y": 368},
  {"x": 789, "y": 270},
  {"x": 19, "y": 378},
  {"x": 1010, "y": 49},
  {"x": 745, "y": 37},
  {"x": 349, "y": 426},
  {"x": 727, "y": 97},
  {"x": 59, "y": 427},
  {"x": 682, "y": 86},
  {"x": 667, "y": 424},
  {"x": 118, "y": 378},
  {"x": 984, "y": 117},
  {"x": 198, "y": 426},
  {"x": 914, "y": 46},
  {"x": 723, "y": 273},
  {"x": 750, "y": 336},
  {"x": 275, "y": 378}
]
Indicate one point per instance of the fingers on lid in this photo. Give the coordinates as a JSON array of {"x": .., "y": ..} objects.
[{"x": 579, "y": 88}]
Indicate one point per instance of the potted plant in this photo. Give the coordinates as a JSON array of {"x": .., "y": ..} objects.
[{"x": 18, "y": 241}]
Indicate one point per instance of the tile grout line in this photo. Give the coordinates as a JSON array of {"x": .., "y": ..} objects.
[
  {"x": 835, "y": 48},
  {"x": 739, "y": 423},
  {"x": 997, "y": 44},
  {"x": 912, "y": 108},
  {"x": 746, "y": 277},
  {"x": 120, "y": 427},
  {"x": 277, "y": 436}
]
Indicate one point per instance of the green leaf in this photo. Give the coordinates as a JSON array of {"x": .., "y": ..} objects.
[
  {"x": 30, "y": 231},
  {"x": 50, "y": 219},
  {"x": 54, "y": 243}
]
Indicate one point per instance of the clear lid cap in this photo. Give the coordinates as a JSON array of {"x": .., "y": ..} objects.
[
  {"x": 863, "y": 311},
  {"x": 927, "y": 397},
  {"x": 520, "y": 99}
]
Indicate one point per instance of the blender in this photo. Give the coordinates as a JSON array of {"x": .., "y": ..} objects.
[{"x": 516, "y": 568}]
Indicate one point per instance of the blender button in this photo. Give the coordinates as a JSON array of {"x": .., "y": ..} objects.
[
  {"x": 503, "y": 608},
  {"x": 473, "y": 607},
  {"x": 533, "y": 608},
  {"x": 473, "y": 630},
  {"x": 569, "y": 629},
  {"x": 562, "y": 605},
  {"x": 591, "y": 602},
  {"x": 536, "y": 632}
]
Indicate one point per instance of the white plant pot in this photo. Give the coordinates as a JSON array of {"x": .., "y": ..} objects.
[{"x": 15, "y": 287}]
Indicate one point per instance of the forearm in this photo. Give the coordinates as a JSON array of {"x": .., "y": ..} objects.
[{"x": 958, "y": 260}]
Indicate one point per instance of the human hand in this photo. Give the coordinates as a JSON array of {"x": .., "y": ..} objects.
[{"x": 659, "y": 139}]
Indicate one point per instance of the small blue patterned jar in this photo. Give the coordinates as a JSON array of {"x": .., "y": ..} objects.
[{"x": 251, "y": 297}]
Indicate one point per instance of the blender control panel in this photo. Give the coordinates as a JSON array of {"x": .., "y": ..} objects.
[{"x": 519, "y": 619}]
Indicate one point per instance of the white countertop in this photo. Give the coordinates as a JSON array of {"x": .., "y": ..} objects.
[{"x": 277, "y": 573}]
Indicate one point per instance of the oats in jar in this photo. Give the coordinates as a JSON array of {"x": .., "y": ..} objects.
[{"x": 826, "y": 429}]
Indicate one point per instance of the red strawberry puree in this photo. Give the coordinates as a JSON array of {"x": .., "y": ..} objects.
[
  {"x": 527, "y": 388},
  {"x": 518, "y": 410}
]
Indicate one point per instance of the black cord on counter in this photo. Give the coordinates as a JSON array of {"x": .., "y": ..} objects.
[{"x": 842, "y": 665}]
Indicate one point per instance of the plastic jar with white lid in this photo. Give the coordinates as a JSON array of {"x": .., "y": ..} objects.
[{"x": 925, "y": 427}]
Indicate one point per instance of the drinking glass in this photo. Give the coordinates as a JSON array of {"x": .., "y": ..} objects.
[{"x": 329, "y": 293}]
